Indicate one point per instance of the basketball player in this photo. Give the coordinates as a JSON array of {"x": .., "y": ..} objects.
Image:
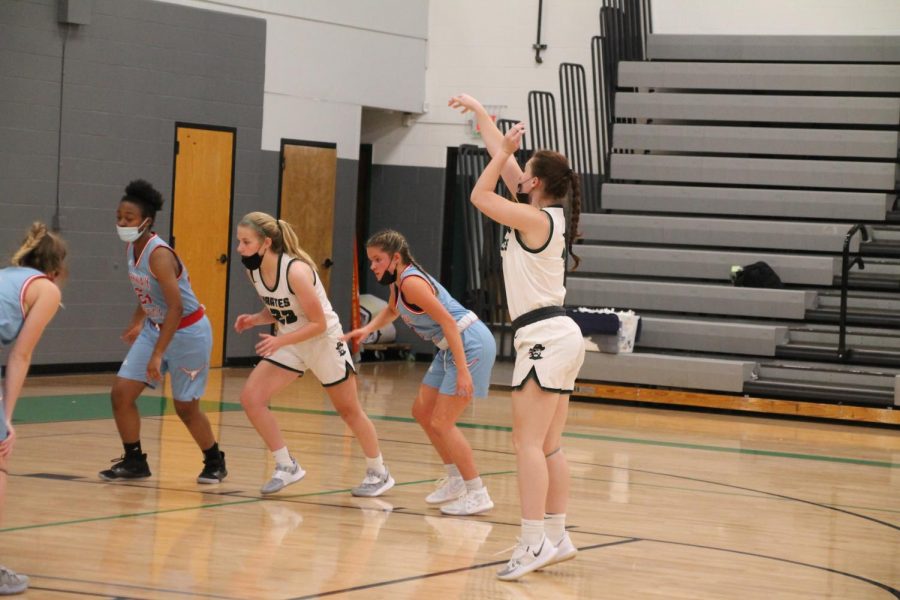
[
  {"x": 307, "y": 337},
  {"x": 549, "y": 345},
  {"x": 29, "y": 298},
  {"x": 168, "y": 332},
  {"x": 460, "y": 369}
]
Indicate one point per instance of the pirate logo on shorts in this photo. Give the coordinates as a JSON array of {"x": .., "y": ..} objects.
[
  {"x": 340, "y": 349},
  {"x": 534, "y": 353}
]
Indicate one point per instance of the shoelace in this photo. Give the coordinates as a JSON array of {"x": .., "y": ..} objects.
[
  {"x": 372, "y": 477},
  {"x": 517, "y": 546},
  {"x": 290, "y": 469}
]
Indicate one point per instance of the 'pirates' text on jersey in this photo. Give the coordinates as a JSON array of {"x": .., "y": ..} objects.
[{"x": 284, "y": 305}]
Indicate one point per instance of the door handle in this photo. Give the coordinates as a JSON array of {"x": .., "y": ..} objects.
[
  {"x": 327, "y": 263},
  {"x": 222, "y": 259}
]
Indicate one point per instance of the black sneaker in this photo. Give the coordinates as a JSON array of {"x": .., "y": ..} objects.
[
  {"x": 214, "y": 471},
  {"x": 127, "y": 467}
]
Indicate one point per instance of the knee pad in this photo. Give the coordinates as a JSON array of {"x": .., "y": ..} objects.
[{"x": 552, "y": 452}]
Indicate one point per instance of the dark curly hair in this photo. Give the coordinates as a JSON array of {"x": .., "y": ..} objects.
[{"x": 145, "y": 196}]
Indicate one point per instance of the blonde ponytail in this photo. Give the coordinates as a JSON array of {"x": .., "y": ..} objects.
[
  {"x": 42, "y": 250},
  {"x": 284, "y": 238},
  {"x": 291, "y": 244}
]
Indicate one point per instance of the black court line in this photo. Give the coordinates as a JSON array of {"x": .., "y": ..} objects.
[
  {"x": 32, "y": 588},
  {"x": 129, "y": 586},
  {"x": 624, "y": 540},
  {"x": 237, "y": 493},
  {"x": 747, "y": 489},
  {"x": 884, "y": 586},
  {"x": 378, "y": 584}
]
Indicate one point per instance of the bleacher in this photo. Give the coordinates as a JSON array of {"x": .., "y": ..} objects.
[
  {"x": 728, "y": 150},
  {"x": 728, "y": 158}
]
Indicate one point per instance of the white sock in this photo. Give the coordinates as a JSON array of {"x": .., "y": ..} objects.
[
  {"x": 283, "y": 457},
  {"x": 555, "y": 526},
  {"x": 473, "y": 485},
  {"x": 376, "y": 464},
  {"x": 452, "y": 471},
  {"x": 532, "y": 531}
]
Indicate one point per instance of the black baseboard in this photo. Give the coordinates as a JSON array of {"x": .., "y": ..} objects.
[
  {"x": 241, "y": 361},
  {"x": 73, "y": 368},
  {"x": 113, "y": 367}
]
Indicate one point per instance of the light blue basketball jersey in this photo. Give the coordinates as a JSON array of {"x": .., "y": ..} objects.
[
  {"x": 418, "y": 321},
  {"x": 12, "y": 284},
  {"x": 147, "y": 288}
]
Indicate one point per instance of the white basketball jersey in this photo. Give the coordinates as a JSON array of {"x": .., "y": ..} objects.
[
  {"x": 535, "y": 278},
  {"x": 285, "y": 307}
]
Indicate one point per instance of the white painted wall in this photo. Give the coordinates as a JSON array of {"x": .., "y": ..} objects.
[
  {"x": 483, "y": 47},
  {"x": 777, "y": 17},
  {"x": 326, "y": 59}
]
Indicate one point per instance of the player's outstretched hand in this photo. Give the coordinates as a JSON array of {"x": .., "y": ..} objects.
[
  {"x": 357, "y": 335},
  {"x": 244, "y": 322},
  {"x": 6, "y": 446},
  {"x": 513, "y": 138},
  {"x": 464, "y": 102}
]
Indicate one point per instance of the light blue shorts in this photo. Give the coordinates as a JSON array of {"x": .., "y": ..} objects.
[
  {"x": 481, "y": 350},
  {"x": 186, "y": 359},
  {"x": 3, "y": 431}
]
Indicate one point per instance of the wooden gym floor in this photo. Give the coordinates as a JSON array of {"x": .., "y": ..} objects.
[{"x": 665, "y": 504}]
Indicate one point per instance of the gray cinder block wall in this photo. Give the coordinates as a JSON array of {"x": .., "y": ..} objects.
[
  {"x": 86, "y": 108},
  {"x": 115, "y": 88}
]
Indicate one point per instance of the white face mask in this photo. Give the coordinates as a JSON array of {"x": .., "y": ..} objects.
[{"x": 130, "y": 234}]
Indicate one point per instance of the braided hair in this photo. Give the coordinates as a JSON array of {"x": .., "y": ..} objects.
[{"x": 560, "y": 182}]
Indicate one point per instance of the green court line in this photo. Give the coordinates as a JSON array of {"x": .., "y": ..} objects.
[
  {"x": 611, "y": 438},
  {"x": 86, "y": 407},
  {"x": 215, "y": 505},
  {"x": 97, "y": 406}
]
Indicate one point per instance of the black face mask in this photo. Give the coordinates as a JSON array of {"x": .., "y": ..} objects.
[
  {"x": 521, "y": 196},
  {"x": 253, "y": 261},
  {"x": 387, "y": 278}
]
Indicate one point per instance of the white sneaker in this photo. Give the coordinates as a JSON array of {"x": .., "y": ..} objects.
[
  {"x": 374, "y": 484},
  {"x": 284, "y": 475},
  {"x": 448, "y": 488},
  {"x": 565, "y": 550},
  {"x": 526, "y": 559},
  {"x": 12, "y": 582},
  {"x": 470, "y": 503}
]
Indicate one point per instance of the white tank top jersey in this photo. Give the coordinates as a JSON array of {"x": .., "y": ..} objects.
[
  {"x": 535, "y": 278},
  {"x": 283, "y": 304}
]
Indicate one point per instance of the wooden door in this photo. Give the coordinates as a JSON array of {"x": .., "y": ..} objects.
[
  {"x": 201, "y": 213},
  {"x": 308, "y": 173}
]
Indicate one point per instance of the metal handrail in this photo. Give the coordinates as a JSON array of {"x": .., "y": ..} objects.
[{"x": 843, "y": 353}]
